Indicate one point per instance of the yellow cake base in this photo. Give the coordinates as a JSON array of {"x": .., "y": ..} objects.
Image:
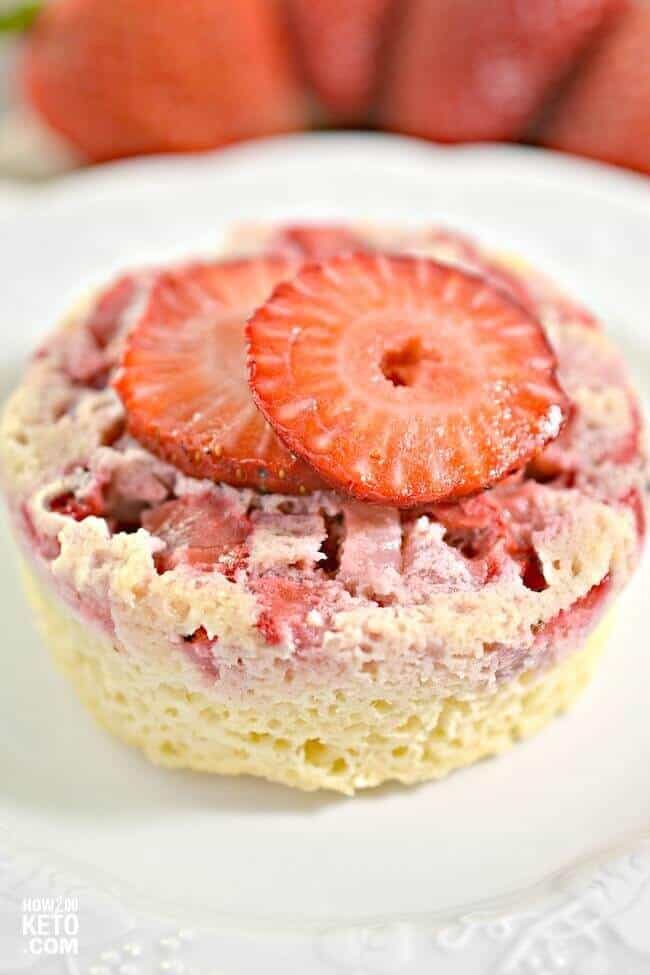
[{"x": 334, "y": 740}]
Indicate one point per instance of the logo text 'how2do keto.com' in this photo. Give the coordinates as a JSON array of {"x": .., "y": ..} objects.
[{"x": 50, "y": 925}]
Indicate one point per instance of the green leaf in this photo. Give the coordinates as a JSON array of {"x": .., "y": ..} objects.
[{"x": 19, "y": 18}]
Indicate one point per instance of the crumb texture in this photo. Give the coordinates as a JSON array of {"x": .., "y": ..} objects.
[{"x": 328, "y": 740}]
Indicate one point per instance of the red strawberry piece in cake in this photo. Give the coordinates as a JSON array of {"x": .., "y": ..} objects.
[
  {"x": 289, "y": 610},
  {"x": 361, "y": 365},
  {"x": 88, "y": 354},
  {"x": 117, "y": 486},
  {"x": 604, "y": 112},
  {"x": 477, "y": 527},
  {"x": 459, "y": 74},
  {"x": 577, "y": 619},
  {"x": 74, "y": 507},
  {"x": 108, "y": 310},
  {"x": 314, "y": 242},
  {"x": 130, "y": 486},
  {"x": 494, "y": 528},
  {"x": 339, "y": 43},
  {"x": 132, "y": 77},
  {"x": 85, "y": 362},
  {"x": 183, "y": 377},
  {"x": 200, "y": 530}
]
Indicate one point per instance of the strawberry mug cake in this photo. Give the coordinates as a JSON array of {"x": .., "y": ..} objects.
[{"x": 343, "y": 506}]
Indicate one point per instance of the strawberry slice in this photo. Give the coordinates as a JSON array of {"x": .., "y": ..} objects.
[
  {"x": 453, "y": 247},
  {"x": 132, "y": 76},
  {"x": 459, "y": 72},
  {"x": 314, "y": 242},
  {"x": 198, "y": 530},
  {"x": 339, "y": 43},
  {"x": 401, "y": 380},
  {"x": 605, "y": 110},
  {"x": 183, "y": 377}
]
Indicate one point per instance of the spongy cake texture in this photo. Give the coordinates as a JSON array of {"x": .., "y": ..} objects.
[
  {"x": 345, "y": 644},
  {"x": 321, "y": 740}
]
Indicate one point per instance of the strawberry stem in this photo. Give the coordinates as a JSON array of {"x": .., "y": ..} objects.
[{"x": 19, "y": 18}]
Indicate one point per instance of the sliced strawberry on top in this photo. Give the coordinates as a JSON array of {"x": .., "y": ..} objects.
[
  {"x": 463, "y": 71},
  {"x": 198, "y": 530},
  {"x": 453, "y": 247},
  {"x": 401, "y": 380},
  {"x": 183, "y": 377},
  {"x": 339, "y": 44},
  {"x": 313, "y": 241}
]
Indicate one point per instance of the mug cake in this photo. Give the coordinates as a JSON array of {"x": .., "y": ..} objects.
[{"x": 341, "y": 506}]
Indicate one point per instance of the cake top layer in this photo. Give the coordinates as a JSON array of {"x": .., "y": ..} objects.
[{"x": 535, "y": 543}]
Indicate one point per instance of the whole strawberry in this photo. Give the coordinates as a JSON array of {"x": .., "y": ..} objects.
[
  {"x": 605, "y": 111},
  {"x": 339, "y": 44},
  {"x": 127, "y": 77},
  {"x": 463, "y": 70}
]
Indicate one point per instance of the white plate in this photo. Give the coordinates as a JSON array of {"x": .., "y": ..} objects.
[{"x": 200, "y": 850}]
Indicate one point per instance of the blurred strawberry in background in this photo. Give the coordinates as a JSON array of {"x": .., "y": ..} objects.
[
  {"x": 605, "y": 110},
  {"x": 462, "y": 70},
  {"x": 339, "y": 44},
  {"x": 124, "y": 77}
]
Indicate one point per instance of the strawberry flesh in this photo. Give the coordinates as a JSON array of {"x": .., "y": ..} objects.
[
  {"x": 183, "y": 377},
  {"x": 494, "y": 526},
  {"x": 285, "y": 605},
  {"x": 579, "y": 617},
  {"x": 201, "y": 530},
  {"x": 78, "y": 508},
  {"x": 403, "y": 381}
]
